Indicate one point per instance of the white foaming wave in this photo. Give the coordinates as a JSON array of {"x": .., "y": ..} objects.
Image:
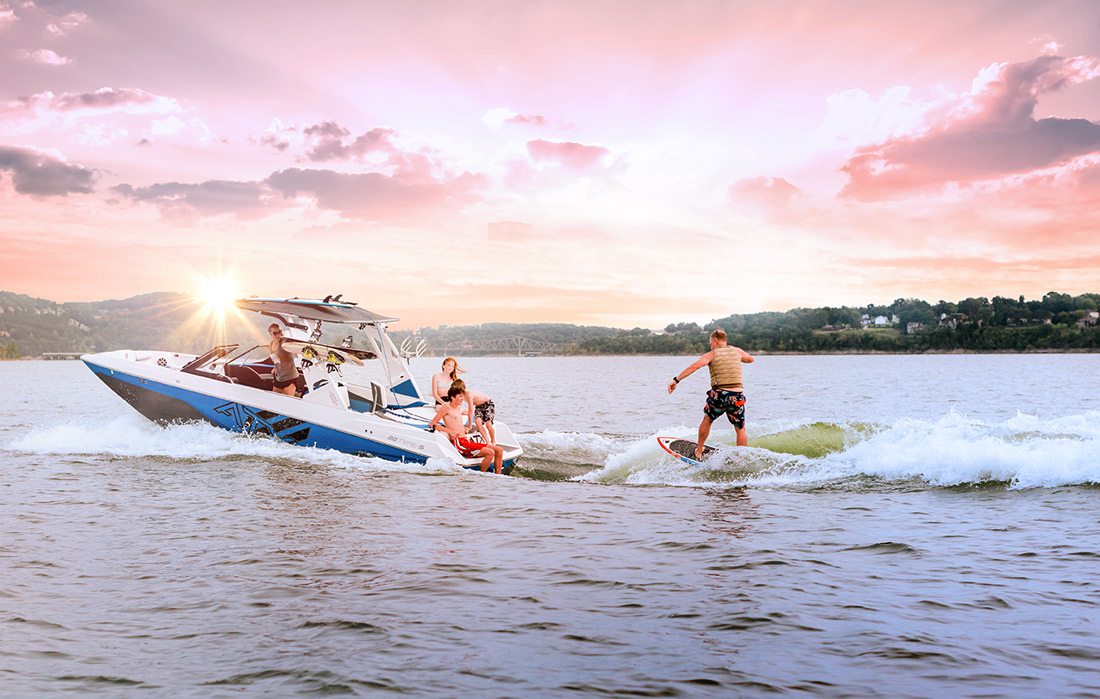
[
  {"x": 570, "y": 447},
  {"x": 135, "y": 438},
  {"x": 1025, "y": 452}
]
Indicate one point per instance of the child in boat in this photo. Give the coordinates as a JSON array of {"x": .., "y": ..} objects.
[
  {"x": 481, "y": 411},
  {"x": 442, "y": 381},
  {"x": 455, "y": 428}
]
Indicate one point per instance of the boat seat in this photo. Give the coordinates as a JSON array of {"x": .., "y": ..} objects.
[
  {"x": 259, "y": 375},
  {"x": 329, "y": 393}
]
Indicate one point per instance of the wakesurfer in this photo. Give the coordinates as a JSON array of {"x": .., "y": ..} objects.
[{"x": 726, "y": 394}]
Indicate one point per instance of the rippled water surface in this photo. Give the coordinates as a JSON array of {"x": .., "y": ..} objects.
[{"x": 899, "y": 526}]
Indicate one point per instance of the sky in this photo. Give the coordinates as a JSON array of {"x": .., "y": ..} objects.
[{"x": 613, "y": 163}]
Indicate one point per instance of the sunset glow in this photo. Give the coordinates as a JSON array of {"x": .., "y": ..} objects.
[
  {"x": 617, "y": 163},
  {"x": 218, "y": 295}
]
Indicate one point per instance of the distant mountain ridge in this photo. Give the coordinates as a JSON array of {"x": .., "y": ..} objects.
[
  {"x": 31, "y": 326},
  {"x": 171, "y": 321},
  {"x": 158, "y": 321}
]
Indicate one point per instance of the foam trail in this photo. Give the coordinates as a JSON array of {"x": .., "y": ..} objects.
[
  {"x": 1023, "y": 452},
  {"x": 128, "y": 437},
  {"x": 571, "y": 447}
]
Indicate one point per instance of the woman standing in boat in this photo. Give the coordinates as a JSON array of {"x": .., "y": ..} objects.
[
  {"x": 441, "y": 382},
  {"x": 286, "y": 373}
]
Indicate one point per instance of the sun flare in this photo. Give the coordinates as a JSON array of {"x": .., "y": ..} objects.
[{"x": 218, "y": 295}]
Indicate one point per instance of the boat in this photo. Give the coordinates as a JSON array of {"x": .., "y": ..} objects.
[{"x": 358, "y": 396}]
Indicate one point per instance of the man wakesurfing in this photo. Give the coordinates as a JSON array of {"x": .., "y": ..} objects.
[{"x": 726, "y": 394}]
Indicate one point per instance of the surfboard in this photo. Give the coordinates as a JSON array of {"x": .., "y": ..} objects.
[
  {"x": 684, "y": 449},
  {"x": 318, "y": 350}
]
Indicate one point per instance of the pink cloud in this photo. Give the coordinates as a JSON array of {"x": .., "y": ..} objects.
[
  {"x": 329, "y": 141},
  {"x": 42, "y": 175},
  {"x": 369, "y": 196},
  {"x": 768, "y": 192},
  {"x": 102, "y": 101},
  {"x": 7, "y": 16},
  {"x": 67, "y": 23},
  {"x": 45, "y": 57},
  {"x": 993, "y": 133},
  {"x": 527, "y": 120},
  {"x": 326, "y": 142},
  {"x": 373, "y": 196},
  {"x": 244, "y": 200},
  {"x": 576, "y": 156}
]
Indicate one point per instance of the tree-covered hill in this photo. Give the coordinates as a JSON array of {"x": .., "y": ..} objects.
[
  {"x": 160, "y": 321},
  {"x": 169, "y": 321}
]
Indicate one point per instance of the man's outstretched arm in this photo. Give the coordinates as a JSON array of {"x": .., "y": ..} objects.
[{"x": 699, "y": 364}]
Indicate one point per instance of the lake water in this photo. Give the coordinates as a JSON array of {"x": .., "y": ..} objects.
[{"x": 899, "y": 526}]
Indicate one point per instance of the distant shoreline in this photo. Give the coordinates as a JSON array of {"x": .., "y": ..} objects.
[{"x": 758, "y": 353}]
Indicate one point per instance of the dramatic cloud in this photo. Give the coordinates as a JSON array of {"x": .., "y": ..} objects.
[
  {"x": 373, "y": 196},
  {"x": 42, "y": 175},
  {"x": 45, "y": 57},
  {"x": 576, "y": 156},
  {"x": 211, "y": 198},
  {"x": 990, "y": 134}
]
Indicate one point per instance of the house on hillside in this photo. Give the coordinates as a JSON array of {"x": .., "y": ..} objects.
[
  {"x": 1089, "y": 320},
  {"x": 913, "y": 328},
  {"x": 952, "y": 320}
]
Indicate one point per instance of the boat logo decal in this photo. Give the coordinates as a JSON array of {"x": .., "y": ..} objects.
[{"x": 264, "y": 422}]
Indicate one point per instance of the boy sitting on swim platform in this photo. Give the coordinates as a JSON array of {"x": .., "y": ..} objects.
[
  {"x": 450, "y": 413},
  {"x": 481, "y": 411}
]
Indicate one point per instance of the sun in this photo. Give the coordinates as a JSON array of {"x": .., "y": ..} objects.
[{"x": 218, "y": 295}]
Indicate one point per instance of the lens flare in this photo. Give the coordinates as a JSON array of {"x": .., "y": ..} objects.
[{"x": 218, "y": 295}]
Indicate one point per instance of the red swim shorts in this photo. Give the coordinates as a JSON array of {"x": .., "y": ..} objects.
[{"x": 468, "y": 447}]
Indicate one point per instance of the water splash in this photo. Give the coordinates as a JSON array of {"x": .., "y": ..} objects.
[
  {"x": 1022, "y": 452},
  {"x": 133, "y": 437}
]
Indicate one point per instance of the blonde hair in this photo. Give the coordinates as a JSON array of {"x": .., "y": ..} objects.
[
  {"x": 718, "y": 334},
  {"x": 454, "y": 372}
]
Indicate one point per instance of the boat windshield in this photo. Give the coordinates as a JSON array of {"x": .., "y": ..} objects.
[{"x": 256, "y": 354}]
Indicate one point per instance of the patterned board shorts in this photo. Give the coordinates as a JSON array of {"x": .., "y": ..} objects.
[
  {"x": 732, "y": 403},
  {"x": 486, "y": 412}
]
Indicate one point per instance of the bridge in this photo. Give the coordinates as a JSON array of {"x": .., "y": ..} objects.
[
  {"x": 522, "y": 346},
  {"x": 61, "y": 355}
]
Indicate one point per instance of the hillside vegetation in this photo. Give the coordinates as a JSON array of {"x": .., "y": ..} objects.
[{"x": 169, "y": 321}]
